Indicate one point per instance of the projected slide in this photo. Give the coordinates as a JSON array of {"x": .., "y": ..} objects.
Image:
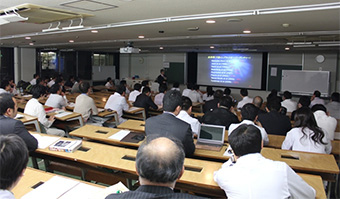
[{"x": 233, "y": 70}]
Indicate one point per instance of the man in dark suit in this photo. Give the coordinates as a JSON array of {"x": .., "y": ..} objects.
[
  {"x": 221, "y": 115},
  {"x": 167, "y": 125},
  {"x": 8, "y": 125},
  {"x": 161, "y": 79},
  {"x": 274, "y": 122},
  {"x": 212, "y": 104},
  {"x": 159, "y": 163},
  {"x": 144, "y": 101}
]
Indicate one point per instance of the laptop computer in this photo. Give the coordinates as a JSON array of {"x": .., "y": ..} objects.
[{"x": 210, "y": 137}]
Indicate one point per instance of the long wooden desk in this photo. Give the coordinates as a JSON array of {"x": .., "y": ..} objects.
[
  {"x": 133, "y": 125},
  {"x": 28, "y": 119}
]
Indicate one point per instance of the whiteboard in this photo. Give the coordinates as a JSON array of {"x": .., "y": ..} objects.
[
  {"x": 305, "y": 82},
  {"x": 101, "y": 73}
]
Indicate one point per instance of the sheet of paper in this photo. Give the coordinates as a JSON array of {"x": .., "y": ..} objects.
[
  {"x": 119, "y": 135},
  {"x": 71, "y": 104},
  {"x": 133, "y": 108},
  {"x": 101, "y": 110},
  {"x": 228, "y": 152},
  {"x": 27, "y": 95},
  {"x": 63, "y": 114},
  {"x": 53, "y": 188},
  {"x": 18, "y": 116},
  {"x": 83, "y": 191},
  {"x": 273, "y": 71},
  {"x": 119, "y": 187},
  {"x": 45, "y": 141}
]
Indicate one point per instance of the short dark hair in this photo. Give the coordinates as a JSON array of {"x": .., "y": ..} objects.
[
  {"x": 176, "y": 85},
  {"x": 13, "y": 159},
  {"x": 35, "y": 75},
  {"x": 274, "y": 104},
  {"x": 335, "y": 97},
  {"x": 157, "y": 168},
  {"x": 108, "y": 79},
  {"x": 218, "y": 94},
  {"x": 39, "y": 80},
  {"x": 38, "y": 90},
  {"x": 186, "y": 103},
  {"x": 162, "y": 88},
  {"x": 249, "y": 112},
  {"x": 210, "y": 91},
  {"x": 196, "y": 87},
  {"x": 6, "y": 102},
  {"x": 146, "y": 89},
  {"x": 137, "y": 86},
  {"x": 55, "y": 88},
  {"x": 84, "y": 87},
  {"x": 122, "y": 82},
  {"x": 145, "y": 82},
  {"x": 317, "y": 93},
  {"x": 287, "y": 95},
  {"x": 171, "y": 100},
  {"x": 304, "y": 101},
  {"x": 121, "y": 89},
  {"x": 162, "y": 70},
  {"x": 4, "y": 84},
  {"x": 227, "y": 91},
  {"x": 226, "y": 101},
  {"x": 244, "y": 92},
  {"x": 245, "y": 139},
  {"x": 319, "y": 107},
  {"x": 190, "y": 85}
]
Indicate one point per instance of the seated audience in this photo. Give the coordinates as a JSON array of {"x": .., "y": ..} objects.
[
  {"x": 144, "y": 101},
  {"x": 249, "y": 114},
  {"x": 168, "y": 125},
  {"x": 69, "y": 83},
  {"x": 315, "y": 99},
  {"x": 9, "y": 125},
  {"x": 213, "y": 104},
  {"x": 333, "y": 106},
  {"x": 245, "y": 98},
  {"x": 109, "y": 83},
  {"x": 258, "y": 101},
  {"x": 34, "y": 108},
  {"x": 52, "y": 82},
  {"x": 185, "y": 113},
  {"x": 274, "y": 122},
  {"x": 13, "y": 86},
  {"x": 136, "y": 91},
  {"x": 57, "y": 98},
  {"x": 84, "y": 104},
  {"x": 325, "y": 122},
  {"x": 304, "y": 101},
  {"x": 306, "y": 135},
  {"x": 288, "y": 103},
  {"x": 34, "y": 80},
  {"x": 194, "y": 95},
  {"x": 117, "y": 102},
  {"x": 13, "y": 162},
  {"x": 5, "y": 87},
  {"x": 75, "y": 87},
  {"x": 159, "y": 97},
  {"x": 227, "y": 91},
  {"x": 273, "y": 95},
  {"x": 157, "y": 181},
  {"x": 187, "y": 90},
  {"x": 222, "y": 115},
  {"x": 175, "y": 86},
  {"x": 209, "y": 95},
  {"x": 127, "y": 89},
  {"x": 253, "y": 176}
]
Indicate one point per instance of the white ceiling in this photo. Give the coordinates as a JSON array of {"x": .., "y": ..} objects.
[{"x": 268, "y": 34}]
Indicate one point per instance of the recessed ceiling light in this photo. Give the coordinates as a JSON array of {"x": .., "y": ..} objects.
[
  {"x": 210, "y": 21},
  {"x": 141, "y": 37},
  {"x": 287, "y": 48},
  {"x": 212, "y": 46},
  {"x": 234, "y": 20},
  {"x": 71, "y": 41},
  {"x": 27, "y": 37},
  {"x": 94, "y": 31},
  {"x": 246, "y": 31},
  {"x": 161, "y": 48},
  {"x": 285, "y": 25},
  {"x": 31, "y": 44}
]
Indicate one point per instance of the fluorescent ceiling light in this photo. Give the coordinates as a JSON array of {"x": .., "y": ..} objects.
[
  {"x": 326, "y": 42},
  {"x": 323, "y": 45},
  {"x": 290, "y": 9},
  {"x": 51, "y": 29},
  {"x": 212, "y": 15},
  {"x": 302, "y": 46},
  {"x": 299, "y": 43},
  {"x": 72, "y": 27}
]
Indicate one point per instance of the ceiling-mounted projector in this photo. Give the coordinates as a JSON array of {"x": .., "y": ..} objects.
[{"x": 129, "y": 50}]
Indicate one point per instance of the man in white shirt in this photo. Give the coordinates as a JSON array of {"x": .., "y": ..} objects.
[
  {"x": 194, "y": 95},
  {"x": 159, "y": 97},
  {"x": 288, "y": 103},
  {"x": 184, "y": 115},
  {"x": 52, "y": 82},
  {"x": 34, "y": 80},
  {"x": 5, "y": 86},
  {"x": 117, "y": 102},
  {"x": 57, "y": 99},
  {"x": 315, "y": 99},
  {"x": 84, "y": 104},
  {"x": 324, "y": 121},
  {"x": 333, "y": 106},
  {"x": 109, "y": 83},
  {"x": 34, "y": 108},
  {"x": 245, "y": 98},
  {"x": 249, "y": 114},
  {"x": 186, "y": 91},
  {"x": 251, "y": 175},
  {"x": 136, "y": 91}
]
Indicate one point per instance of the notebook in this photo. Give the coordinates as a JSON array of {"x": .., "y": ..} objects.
[{"x": 210, "y": 137}]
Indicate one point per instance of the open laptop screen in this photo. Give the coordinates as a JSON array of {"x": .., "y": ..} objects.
[{"x": 213, "y": 134}]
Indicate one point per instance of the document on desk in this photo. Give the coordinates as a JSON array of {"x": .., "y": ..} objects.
[
  {"x": 45, "y": 141},
  {"x": 116, "y": 188},
  {"x": 71, "y": 104},
  {"x": 83, "y": 191},
  {"x": 133, "y": 109},
  {"x": 119, "y": 135},
  {"x": 19, "y": 116},
  {"x": 53, "y": 188},
  {"x": 228, "y": 152},
  {"x": 60, "y": 115}
]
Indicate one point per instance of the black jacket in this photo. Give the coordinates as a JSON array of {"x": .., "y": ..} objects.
[
  {"x": 220, "y": 116},
  {"x": 145, "y": 102},
  {"x": 275, "y": 123}
]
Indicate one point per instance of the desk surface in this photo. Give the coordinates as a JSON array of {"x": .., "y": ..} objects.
[
  {"x": 134, "y": 125},
  {"x": 26, "y": 118}
]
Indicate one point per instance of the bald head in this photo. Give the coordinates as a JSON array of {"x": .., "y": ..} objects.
[
  {"x": 160, "y": 159},
  {"x": 257, "y": 101}
]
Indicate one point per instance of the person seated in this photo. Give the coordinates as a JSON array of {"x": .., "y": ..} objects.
[
  {"x": 213, "y": 104},
  {"x": 13, "y": 163},
  {"x": 13, "y": 87},
  {"x": 75, "y": 87},
  {"x": 194, "y": 94},
  {"x": 258, "y": 101},
  {"x": 57, "y": 98},
  {"x": 136, "y": 91},
  {"x": 245, "y": 98},
  {"x": 304, "y": 101},
  {"x": 167, "y": 124},
  {"x": 52, "y": 82},
  {"x": 324, "y": 121},
  {"x": 159, "y": 97},
  {"x": 34, "y": 108},
  {"x": 186, "y": 91},
  {"x": 249, "y": 114},
  {"x": 306, "y": 135},
  {"x": 109, "y": 83},
  {"x": 34, "y": 80},
  {"x": 117, "y": 102},
  {"x": 5, "y": 87},
  {"x": 209, "y": 95},
  {"x": 185, "y": 113},
  {"x": 157, "y": 181},
  {"x": 274, "y": 122},
  {"x": 315, "y": 99},
  {"x": 175, "y": 86},
  {"x": 145, "y": 83},
  {"x": 222, "y": 115},
  {"x": 127, "y": 89},
  {"x": 69, "y": 83},
  {"x": 250, "y": 175},
  {"x": 84, "y": 104},
  {"x": 333, "y": 106},
  {"x": 144, "y": 101},
  {"x": 288, "y": 103},
  {"x": 9, "y": 125}
]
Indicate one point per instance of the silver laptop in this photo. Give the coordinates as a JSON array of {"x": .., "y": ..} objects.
[{"x": 210, "y": 135}]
